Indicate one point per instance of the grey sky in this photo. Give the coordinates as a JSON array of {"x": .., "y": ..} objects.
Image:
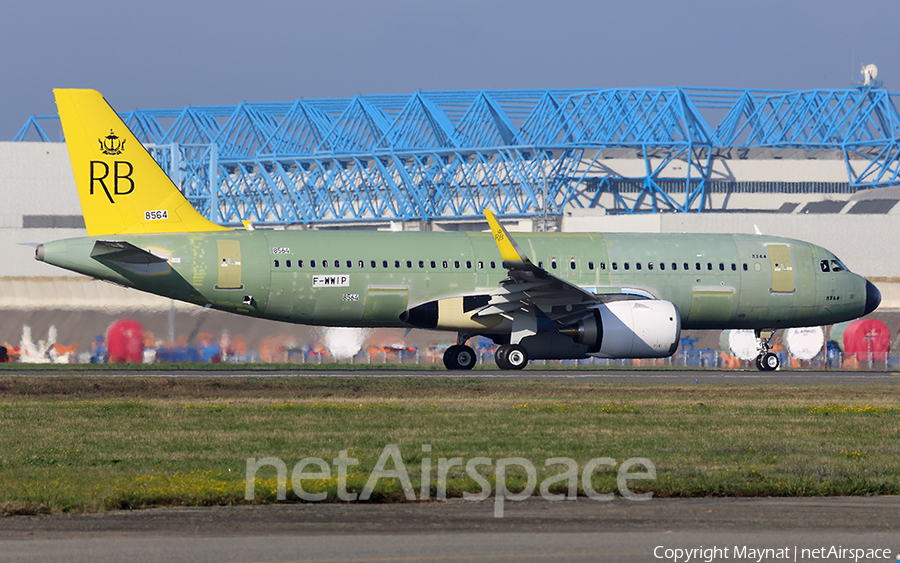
[{"x": 166, "y": 53}]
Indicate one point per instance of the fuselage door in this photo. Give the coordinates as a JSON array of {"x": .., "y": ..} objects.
[
  {"x": 384, "y": 304},
  {"x": 782, "y": 268},
  {"x": 711, "y": 306},
  {"x": 229, "y": 254}
]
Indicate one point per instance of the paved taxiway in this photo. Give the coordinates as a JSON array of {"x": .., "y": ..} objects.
[
  {"x": 458, "y": 530},
  {"x": 616, "y": 375}
]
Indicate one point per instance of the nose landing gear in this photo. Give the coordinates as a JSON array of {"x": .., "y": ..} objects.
[{"x": 766, "y": 361}]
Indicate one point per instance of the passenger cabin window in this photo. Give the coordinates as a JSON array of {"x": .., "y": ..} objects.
[
  {"x": 615, "y": 266},
  {"x": 709, "y": 266},
  {"x": 433, "y": 264},
  {"x": 445, "y": 264},
  {"x": 480, "y": 264},
  {"x": 421, "y": 263},
  {"x": 337, "y": 263},
  {"x": 721, "y": 267},
  {"x": 553, "y": 264},
  {"x": 746, "y": 267},
  {"x": 649, "y": 265},
  {"x": 638, "y": 266},
  {"x": 733, "y": 267},
  {"x": 299, "y": 263},
  {"x": 276, "y": 263},
  {"x": 287, "y": 263},
  {"x": 627, "y": 266},
  {"x": 396, "y": 263},
  {"x": 662, "y": 265},
  {"x": 349, "y": 263},
  {"x": 324, "y": 263},
  {"x": 686, "y": 266},
  {"x": 590, "y": 265},
  {"x": 493, "y": 265},
  {"x": 468, "y": 264},
  {"x": 602, "y": 265},
  {"x": 456, "y": 264},
  {"x": 572, "y": 265},
  {"x": 697, "y": 266},
  {"x": 312, "y": 263},
  {"x": 675, "y": 266},
  {"x": 384, "y": 264},
  {"x": 373, "y": 264}
]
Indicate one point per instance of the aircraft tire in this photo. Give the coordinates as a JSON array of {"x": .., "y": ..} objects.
[
  {"x": 500, "y": 357},
  {"x": 770, "y": 362},
  {"x": 464, "y": 357},
  {"x": 516, "y": 356},
  {"x": 450, "y": 357}
]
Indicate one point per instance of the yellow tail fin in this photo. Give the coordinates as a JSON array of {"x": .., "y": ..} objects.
[{"x": 122, "y": 189}]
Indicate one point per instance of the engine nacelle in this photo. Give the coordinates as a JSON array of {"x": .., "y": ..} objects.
[{"x": 629, "y": 329}]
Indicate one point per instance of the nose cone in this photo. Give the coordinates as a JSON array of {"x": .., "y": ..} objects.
[{"x": 873, "y": 297}]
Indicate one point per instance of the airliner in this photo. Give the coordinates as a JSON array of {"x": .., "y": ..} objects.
[{"x": 537, "y": 296}]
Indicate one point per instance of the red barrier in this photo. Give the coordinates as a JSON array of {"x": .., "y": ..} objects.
[
  {"x": 864, "y": 337},
  {"x": 125, "y": 342}
]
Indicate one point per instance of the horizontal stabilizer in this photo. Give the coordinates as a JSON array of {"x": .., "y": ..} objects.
[{"x": 128, "y": 256}]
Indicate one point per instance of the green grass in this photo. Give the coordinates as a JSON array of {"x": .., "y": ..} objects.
[{"x": 84, "y": 443}]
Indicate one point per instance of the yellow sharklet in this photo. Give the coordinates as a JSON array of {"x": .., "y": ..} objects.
[
  {"x": 122, "y": 188},
  {"x": 509, "y": 250}
]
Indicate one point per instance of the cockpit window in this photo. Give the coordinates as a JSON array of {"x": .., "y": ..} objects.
[{"x": 831, "y": 266}]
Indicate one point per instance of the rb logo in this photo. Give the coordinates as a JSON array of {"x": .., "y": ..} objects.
[{"x": 122, "y": 170}]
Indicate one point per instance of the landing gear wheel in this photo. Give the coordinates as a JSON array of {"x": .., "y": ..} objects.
[
  {"x": 459, "y": 356},
  {"x": 511, "y": 356},
  {"x": 769, "y": 362},
  {"x": 500, "y": 357}
]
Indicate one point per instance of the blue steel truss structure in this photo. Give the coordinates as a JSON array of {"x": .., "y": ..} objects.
[{"x": 448, "y": 155}]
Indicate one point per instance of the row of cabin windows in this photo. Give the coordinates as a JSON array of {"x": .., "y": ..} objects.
[
  {"x": 684, "y": 266},
  {"x": 457, "y": 264},
  {"x": 650, "y": 266}
]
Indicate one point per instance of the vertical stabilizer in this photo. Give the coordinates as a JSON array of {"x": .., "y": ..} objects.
[{"x": 121, "y": 187}]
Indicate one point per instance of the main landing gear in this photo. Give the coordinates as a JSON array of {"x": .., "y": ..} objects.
[
  {"x": 462, "y": 357},
  {"x": 766, "y": 361},
  {"x": 511, "y": 356},
  {"x": 459, "y": 356}
]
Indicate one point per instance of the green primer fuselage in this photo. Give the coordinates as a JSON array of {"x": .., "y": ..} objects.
[{"x": 368, "y": 279}]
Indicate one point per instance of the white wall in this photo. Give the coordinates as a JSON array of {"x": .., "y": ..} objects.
[{"x": 35, "y": 179}]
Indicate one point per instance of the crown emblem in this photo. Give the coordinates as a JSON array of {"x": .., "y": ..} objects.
[{"x": 112, "y": 144}]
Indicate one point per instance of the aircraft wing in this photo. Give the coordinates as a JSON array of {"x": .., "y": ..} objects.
[{"x": 530, "y": 288}]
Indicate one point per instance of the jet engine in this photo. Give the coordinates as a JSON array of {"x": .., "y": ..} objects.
[{"x": 629, "y": 329}]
